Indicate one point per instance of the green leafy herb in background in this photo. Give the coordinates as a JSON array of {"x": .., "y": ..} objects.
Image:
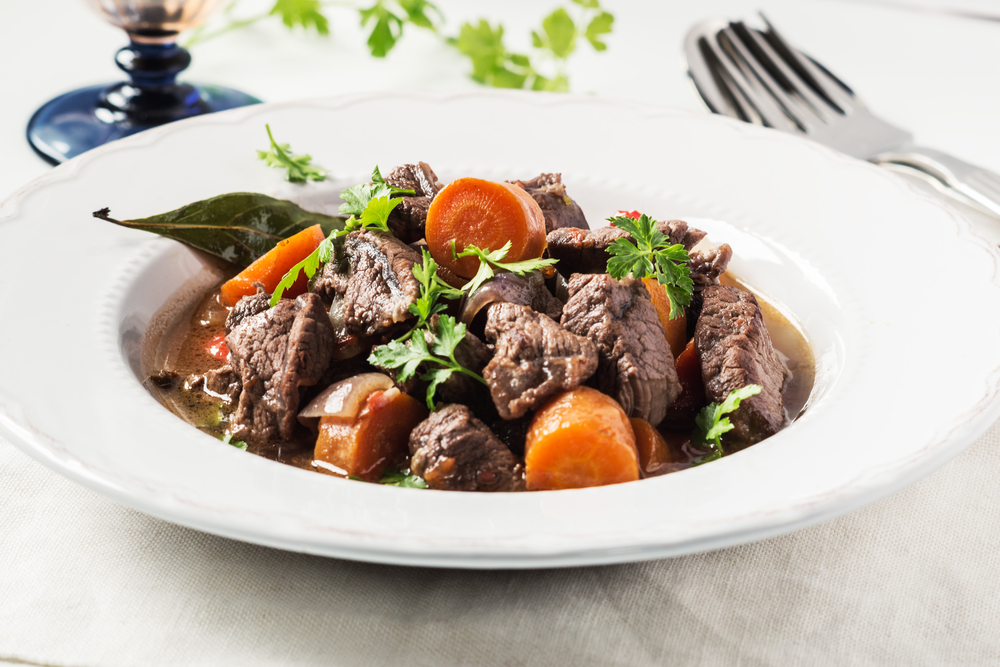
[
  {"x": 299, "y": 167},
  {"x": 651, "y": 255},
  {"x": 711, "y": 422},
  {"x": 493, "y": 64}
]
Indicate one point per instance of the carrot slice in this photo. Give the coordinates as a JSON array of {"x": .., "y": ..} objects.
[
  {"x": 681, "y": 413},
  {"x": 675, "y": 330},
  {"x": 656, "y": 455},
  {"x": 363, "y": 446},
  {"x": 580, "y": 438},
  {"x": 472, "y": 211},
  {"x": 270, "y": 268}
]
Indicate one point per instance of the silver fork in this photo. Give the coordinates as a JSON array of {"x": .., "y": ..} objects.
[{"x": 756, "y": 76}]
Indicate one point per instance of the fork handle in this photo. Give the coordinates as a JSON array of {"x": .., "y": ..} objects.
[{"x": 972, "y": 182}]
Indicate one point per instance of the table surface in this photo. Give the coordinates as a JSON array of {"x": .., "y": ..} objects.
[{"x": 912, "y": 579}]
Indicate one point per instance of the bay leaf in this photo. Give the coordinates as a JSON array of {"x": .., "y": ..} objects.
[{"x": 238, "y": 227}]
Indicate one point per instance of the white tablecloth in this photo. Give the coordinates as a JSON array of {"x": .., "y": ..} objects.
[{"x": 911, "y": 580}]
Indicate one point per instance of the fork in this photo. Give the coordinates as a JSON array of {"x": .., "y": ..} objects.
[{"x": 756, "y": 76}]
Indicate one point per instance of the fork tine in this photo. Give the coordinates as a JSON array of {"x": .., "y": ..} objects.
[
  {"x": 817, "y": 82},
  {"x": 792, "y": 79},
  {"x": 742, "y": 88},
  {"x": 801, "y": 114}
]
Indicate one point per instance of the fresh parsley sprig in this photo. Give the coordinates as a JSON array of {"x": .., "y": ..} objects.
[
  {"x": 228, "y": 439},
  {"x": 356, "y": 198},
  {"x": 555, "y": 41},
  {"x": 410, "y": 355},
  {"x": 432, "y": 288},
  {"x": 299, "y": 167},
  {"x": 490, "y": 262},
  {"x": 373, "y": 215},
  {"x": 711, "y": 423},
  {"x": 651, "y": 256},
  {"x": 400, "y": 478}
]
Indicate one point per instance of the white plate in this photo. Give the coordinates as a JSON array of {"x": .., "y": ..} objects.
[{"x": 897, "y": 294}]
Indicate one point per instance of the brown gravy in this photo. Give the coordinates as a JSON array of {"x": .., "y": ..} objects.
[{"x": 182, "y": 349}]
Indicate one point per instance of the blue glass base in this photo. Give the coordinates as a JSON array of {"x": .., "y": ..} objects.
[{"x": 83, "y": 119}]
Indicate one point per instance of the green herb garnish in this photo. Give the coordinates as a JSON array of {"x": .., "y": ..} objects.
[
  {"x": 408, "y": 356},
  {"x": 650, "y": 256},
  {"x": 374, "y": 215},
  {"x": 432, "y": 287},
  {"x": 494, "y": 65},
  {"x": 357, "y": 198},
  {"x": 299, "y": 167},
  {"x": 399, "y": 478},
  {"x": 389, "y": 24},
  {"x": 488, "y": 261},
  {"x": 711, "y": 423},
  {"x": 228, "y": 439}
]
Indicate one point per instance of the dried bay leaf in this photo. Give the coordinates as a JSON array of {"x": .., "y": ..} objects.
[{"x": 238, "y": 227}]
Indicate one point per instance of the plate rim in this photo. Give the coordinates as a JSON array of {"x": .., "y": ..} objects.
[{"x": 980, "y": 416}]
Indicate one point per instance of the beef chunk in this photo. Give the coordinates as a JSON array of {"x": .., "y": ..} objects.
[
  {"x": 473, "y": 354},
  {"x": 735, "y": 350},
  {"x": 276, "y": 353},
  {"x": 586, "y": 251},
  {"x": 371, "y": 281},
  {"x": 248, "y": 306},
  {"x": 635, "y": 365},
  {"x": 559, "y": 210},
  {"x": 534, "y": 358},
  {"x": 581, "y": 250},
  {"x": 678, "y": 231},
  {"x": 408, "y": 219},
  {"x": 706, "y": 266},
  {"x": 454, "y": 451}
]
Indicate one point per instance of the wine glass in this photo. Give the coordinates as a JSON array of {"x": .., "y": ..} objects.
[{"x": 89, "y": 117}]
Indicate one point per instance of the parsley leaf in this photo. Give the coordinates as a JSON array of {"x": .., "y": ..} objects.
[
  {"x": 651, "y": 256},
  {"x": 431, "y": 288},
  {"x": 488, "y": 261},
  {"x": 356, "y": 198},
  {"x": 299, "y": 167},
  {"x": 228, "y": 439},
  {"x": 409, "y": 356},
  {"x": 555, "y": 41},
  {"x": 598, "y": 26},
  {"x": 711, "y": 423},
  {"x": 305, "y": 13},
  {"x": 400, "y": 478},
  {"x": 373, "y": 214},
  {"x": 388, "y": 27}
]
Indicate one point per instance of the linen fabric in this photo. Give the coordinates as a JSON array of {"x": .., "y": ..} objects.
[{"x": 913, "y": 579}]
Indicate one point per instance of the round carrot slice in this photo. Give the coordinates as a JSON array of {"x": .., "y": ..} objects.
[
  {"x": 580, "y": 438},
  {"x": 486, "y": 214}
]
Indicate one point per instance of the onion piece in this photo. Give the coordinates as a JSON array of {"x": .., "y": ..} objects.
[
  {"x": 344, "y": 399},
  {"x": 504, "y": 287}
]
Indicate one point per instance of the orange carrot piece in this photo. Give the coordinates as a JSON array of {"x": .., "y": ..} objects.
[
  {"x": 681, "y": 413},
  {"x": 270, "y": 268},
  {"x": 378, "y": 436},
  {"x": 472, "y": 211},
  {"x": 675, "y": 330},
  {"x": 656, "y": 455},
  {"x": 580, "y": 438}
]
